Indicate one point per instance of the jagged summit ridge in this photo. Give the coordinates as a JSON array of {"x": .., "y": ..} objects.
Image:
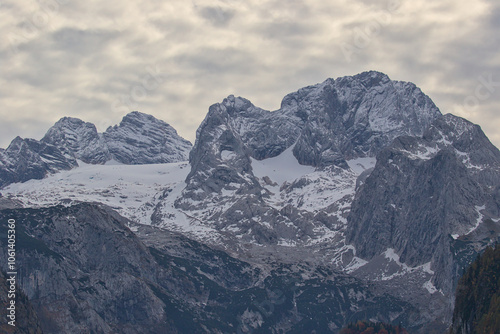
[
  {"x": 78, "y": 139},
  {"x": 325, "y": 125},
  {"x": 354, "y": 117},
  {"x": 27, "y": 159},
  {"x": 143, "y": 139},
  {"x": 138, "y": 139}
]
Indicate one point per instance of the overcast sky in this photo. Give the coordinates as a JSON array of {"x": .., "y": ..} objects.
[{"x": 99, "y": 60}]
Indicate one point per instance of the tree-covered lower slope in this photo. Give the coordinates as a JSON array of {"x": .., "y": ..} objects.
[
  {"x": 477, "y": 306},
  {"x": 363, "y": 327}
]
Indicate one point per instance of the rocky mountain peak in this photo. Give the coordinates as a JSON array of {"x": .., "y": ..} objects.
[
  {"x": 236, "y": 104},
  {"x": 78, "y": 139},
  {"x": 316, "y": 135},
  {"x": 144, "y": 139},
  {"x": 26, "y": 159},
  {"x": 16, "y": 144},
  {"x": 372, "y": 78},
  {"x": 346, "y": 118},
  {"x": 464, "y": 136},
  {"x": 138, "y": 119}
]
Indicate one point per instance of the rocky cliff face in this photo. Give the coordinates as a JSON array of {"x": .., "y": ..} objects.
[
  {"x": 27, "y": 159},
  {"x": 82, "y": 269},
  {"x": 322, "y": 126},
  {"x": 90, "y": 273},
  {"x": 78, "y": 139},
  {"x": 432, "y": 200},
  {"x": 142, "y": 139},
  {"x": 425, "y": 190},
  {"x": 26, "y": 319},
  {"x": 139, "y": 139}
]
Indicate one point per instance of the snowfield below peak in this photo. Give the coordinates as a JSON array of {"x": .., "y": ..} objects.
[
  {"x": 281, "y": 169},
  {"x": 133, "y": 190}
]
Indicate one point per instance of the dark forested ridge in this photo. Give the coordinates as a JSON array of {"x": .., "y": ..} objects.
[
  {"x": 363, "y": 327},
  {"x": 477, "y": 306}
]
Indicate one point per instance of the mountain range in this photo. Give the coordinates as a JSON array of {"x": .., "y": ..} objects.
[
  {"x": 356, "y": 200},
  {"x": 138, "y": 139}
]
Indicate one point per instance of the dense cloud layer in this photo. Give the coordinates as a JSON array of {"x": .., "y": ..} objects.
[{"x": 99, "y": 60}]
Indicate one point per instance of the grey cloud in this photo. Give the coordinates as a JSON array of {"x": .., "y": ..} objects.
[
  {"x": 41, "y": 71},
  {"x": 494, "y": 17},
  {"x": 281, "y": 30},
  {"x": 43, "y": 68},
  {"x": 82, "y": 42},
  {"x": 77, "y": 52},
  {"x": 292, "y": 10},
  {"x": 290, "y": 23},
  {"x": 90, "y": 104},
  {"x": 217, "y": 16},
  {"x": 25, "y": 127},
  {"x": 175, "y": 30},
  {"x": 220, "y": 61}
]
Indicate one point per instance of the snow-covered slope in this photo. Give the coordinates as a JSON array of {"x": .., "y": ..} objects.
[
  {"x": 147, "y": 193},
  {"x": 280, "y": 169},
  {"x": 325, "y": 193},
  {"x": 133, "y": 190}
]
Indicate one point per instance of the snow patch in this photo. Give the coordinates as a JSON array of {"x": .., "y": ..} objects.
[
  {"x": 287, "y": 243},
  {"x": 480, "y": 218},
  {"x": 281, "y": 169},
  {"x": 227, "y": 155},
  {"x": 359, "y": 165},
  {"x": 430, "y": 287},
  {"x": 355, "y": 264},
  {"x": 422, "y": 153},
  {"x": 427, "y": 268},
  {"x": 391, "y": 255},
  {"x": 467, "y": 161}
]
